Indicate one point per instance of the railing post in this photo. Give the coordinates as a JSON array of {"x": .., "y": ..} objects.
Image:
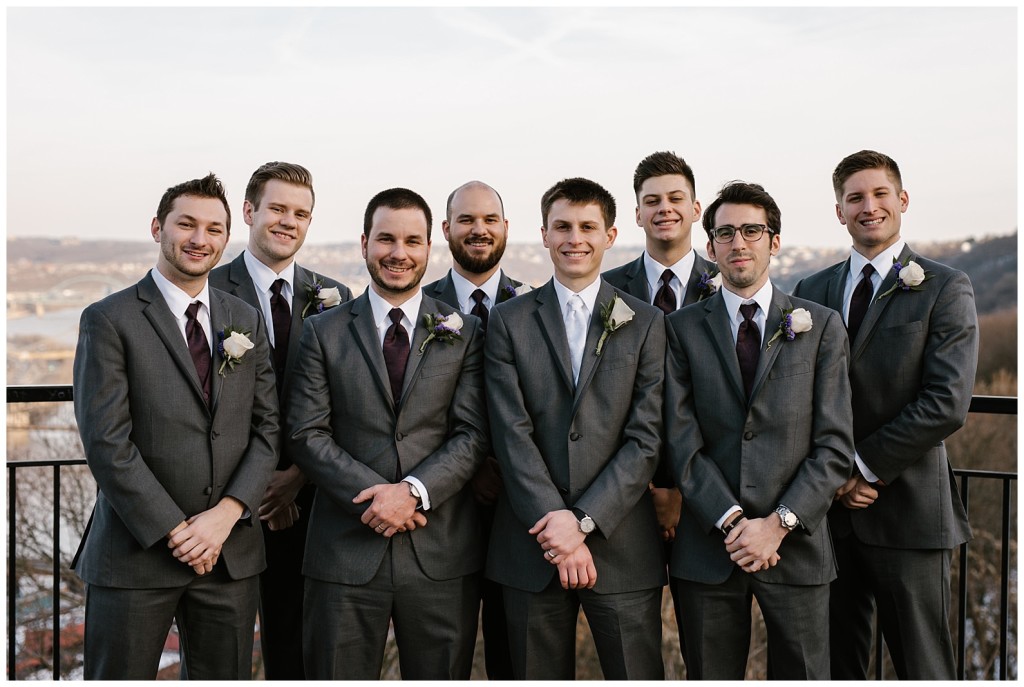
[
  {"x": 56, "y": 572},
  {"x": 961, "y": 603},
  {"x": 12, "y": 573},
  {"x": 1004, "y": 583}
]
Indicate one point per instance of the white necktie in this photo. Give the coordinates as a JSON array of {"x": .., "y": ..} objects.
[{"x": 576, "y": 332}]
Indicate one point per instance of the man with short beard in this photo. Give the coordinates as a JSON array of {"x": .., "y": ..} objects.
[
  {"x": 387, "y": 416},
  {"x": 476, "y": 230}
]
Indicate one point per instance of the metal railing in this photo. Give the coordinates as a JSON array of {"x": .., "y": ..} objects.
[{"x": 1000, "y": 405}]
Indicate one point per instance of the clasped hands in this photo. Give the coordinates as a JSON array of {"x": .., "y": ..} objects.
[
  {"x": 393, "y": 509},
  {"x": 278, "y": 508},
  {"x": 197, "y": 541},
  {"x": 754, "y": 543},
  {"x": 563, "y": 545},
  {"x": 857, "y": 493}
]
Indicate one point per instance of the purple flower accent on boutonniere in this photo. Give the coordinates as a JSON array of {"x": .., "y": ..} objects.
[
  {"x": 444, "y": 328},
  {"x": 708, "y": 285},
  {"x": 793, "y": 322},
  {"x": 320, "y": 297},
  {"x": 508, "y": 292},
  {"x": 909, "y": 277}
]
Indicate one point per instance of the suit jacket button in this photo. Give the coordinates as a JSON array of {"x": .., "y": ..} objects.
[
  {"x": 748, "y": 435},
  {"x": 575, "y": 436},
  {"x": 399, "y": 436},
  {"x": 208, "y": 491}
]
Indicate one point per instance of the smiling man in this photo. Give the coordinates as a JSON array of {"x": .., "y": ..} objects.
[
  {"x": 574, "y": 388},
  {"x": 278, "y": 209},
  {"x": 386, "y": 415},
  {"x": 914, "y": 351},
  {"x": 758, "y": 432},
  {"x": 476, "y": 230},
  {"x": 181, "y": 435}
]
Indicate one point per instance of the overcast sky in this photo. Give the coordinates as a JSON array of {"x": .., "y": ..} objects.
[{"x": 108, "y": 107}]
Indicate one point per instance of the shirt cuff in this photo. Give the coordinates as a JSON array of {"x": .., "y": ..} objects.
[
  {"x": 864, "y": 469},
  {"x": 424, "y": 497},
  {"x": 722, "y": 520}
]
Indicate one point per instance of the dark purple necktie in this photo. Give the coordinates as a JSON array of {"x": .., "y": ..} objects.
[
  {"x": 748, "y": 345},
  {"x": 479, "y": 309},
  {"x": 396, "y": 352},
  {"x": 859, "y": 302},
  {"x": 666, "y": 297},
  {"x": 198, "y": 348},
  {"x": 282, "y": 315}
]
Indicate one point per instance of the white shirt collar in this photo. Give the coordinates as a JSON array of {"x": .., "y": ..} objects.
[
  {"x": 382, "y": 310},
  {"x": 682, "y": 269},
  {"x": 763, "y": 298},
  {"x": 263, "y": 277},
  {"x": 464, "y": 290},
  {"x": 881, "y": 262},
  {"x": 177, "y": 300},
  {"x": 589, "y": 295}
]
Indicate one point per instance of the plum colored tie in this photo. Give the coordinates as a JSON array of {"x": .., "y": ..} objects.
[
  {"x": 666, "y": 297},
  {"x": 860, "y": 301},
  {"x": 748, "y": 345},
  {"x": 282, "y": 315},
  {"x": 479, "y": 309},
  {"x": 396, "y": 352},
  {"x": 198, "y": 348}
]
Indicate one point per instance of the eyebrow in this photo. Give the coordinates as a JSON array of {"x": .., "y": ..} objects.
[{"x": 667, "y": 193}]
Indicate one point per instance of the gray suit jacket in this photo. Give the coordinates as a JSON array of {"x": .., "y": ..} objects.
[
  {"x": 346, "y": 433},
  {"x": 158, "y": 453},
  {"x": 791, "y": 443},
  {"x": 235, "y": 279},
  {"x": 632, "y": 278},
  {"x": 912, "y": 372},
  {"x": 444, "y": 290},
  {"x": 592, "y": 445}
]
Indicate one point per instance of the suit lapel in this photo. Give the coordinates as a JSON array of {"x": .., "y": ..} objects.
[
  {"x": 836, "y": 287},
  {"x": 445, "y": 291},
  {"x": 718, "y": 328},
  {"x": 780, "y": 302},
  {"x": 299, "y": 301},
  {"x": 364, "y": 330},
  {"x": 166, "y": 327},
  {"x": 419, "y": 335},
  {"x": 219, "y": 320},
  {"x": 637, "y": 285},
  {"x": 700, "y": 266},
  {"x": 552, "y": 326}
]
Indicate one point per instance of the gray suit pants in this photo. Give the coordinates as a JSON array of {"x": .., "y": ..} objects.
[{"x": 125, "y": 629}]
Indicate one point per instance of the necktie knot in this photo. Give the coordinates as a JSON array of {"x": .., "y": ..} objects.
[
  {"x": 478, "y": 296},
  {"x": 748, "y": 310},
  {"x": 192, "y": 311},
  {"x": 667, "y": 276},
  {"x": 395, "y": 315},
  {"x": 275, "y": 288},
  {"x": 868, "y": 271},
  {"x": 665, "y": 298}
]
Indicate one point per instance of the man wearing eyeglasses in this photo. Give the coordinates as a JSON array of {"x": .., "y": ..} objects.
[
  {"x": 914, "y": 349},
  {"x": 759, "y": 435}
]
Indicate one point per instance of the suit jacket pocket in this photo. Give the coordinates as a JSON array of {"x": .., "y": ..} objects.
[
  {"x": 443, "y": 369},
  {"x": 798, "y": 368},
  {"x": 627, "y": 360},
  {"x": 902, "y": 329}
]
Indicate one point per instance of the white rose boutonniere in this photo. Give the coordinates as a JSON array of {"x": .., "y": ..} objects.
[
  {"x": 320, "y": 298},
  {"x": 509, "y": 292},
  {"x": 793, "y": 322},
  {"x": 614, "y": 315},
  {"x": 232, "y": 344},
  {"x": 909, "y": 277},
  {"x": 708, "y": 285},
  {"x": 444, "y": 328}
]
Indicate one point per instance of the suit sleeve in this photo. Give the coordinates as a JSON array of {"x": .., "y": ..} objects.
[
  {"x": 626, "y": 476},
  {"x": 105, "y": 425},
  {"x": 528, "y": 485},
  {"x": 447, "y": 470},
  {"x": 310, "y": 435},
  {"x": 830, "y": 462},
  {"x": 249, "y": 480},
  {"x": 706, "y": 492},
  {"x": 949, "y": 364}
]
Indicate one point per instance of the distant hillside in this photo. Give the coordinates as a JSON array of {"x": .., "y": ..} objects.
[{"x": 37, "y": 263}]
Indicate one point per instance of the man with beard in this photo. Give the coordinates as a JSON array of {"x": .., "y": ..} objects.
[
  {"x": 391, "y": 431},
  {"x": 175, "y": 402},
  {"x": 279, "y": 209},
  {"x": 476, "y": 230}
]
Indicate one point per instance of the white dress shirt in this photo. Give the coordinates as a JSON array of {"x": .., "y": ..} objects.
[
  {"x": 464, "y": 289},
  {"x": 655, "y": 269},
  {"x": 178, "y": 302},
  {"x": 263, "y": 278},
  {"x": 589, "y": 297}
]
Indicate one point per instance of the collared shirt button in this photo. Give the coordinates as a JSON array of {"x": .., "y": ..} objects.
[{"x": 575, "y": 436}]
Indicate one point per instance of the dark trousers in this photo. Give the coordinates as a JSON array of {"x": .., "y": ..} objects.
[
  {"x": 345, "y": 627},
  {"x": 125, "y": 629},
  {"x": 910, "y": 588},
  {"x": 716, "y": 618},
  {"x": 626, "y": 627},
  {"x": 281, "y": 589},
  {"x": 497, "y": 657}
]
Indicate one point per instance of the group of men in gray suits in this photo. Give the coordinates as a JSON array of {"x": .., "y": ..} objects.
[{"x": 581, "y": 444}]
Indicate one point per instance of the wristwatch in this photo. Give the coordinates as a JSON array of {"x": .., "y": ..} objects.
[
  {"x": 586, "y": 523},
  {"x": 415, "y": 493},
  {"x": 787, "y": 518}
]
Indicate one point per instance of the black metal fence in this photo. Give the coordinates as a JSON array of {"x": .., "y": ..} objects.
[{"x": 999, "y": 405}]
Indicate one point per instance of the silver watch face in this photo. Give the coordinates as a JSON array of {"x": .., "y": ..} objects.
[
  {"x": 788, "y": 518},
  {"x": 587, "y": 525}
]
